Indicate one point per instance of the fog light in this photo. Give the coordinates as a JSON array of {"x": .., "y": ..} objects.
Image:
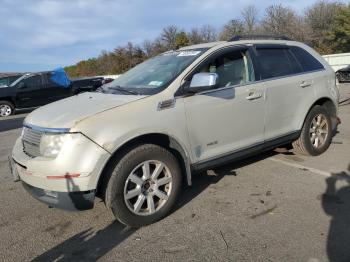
[{"x": 50, "y": 193}]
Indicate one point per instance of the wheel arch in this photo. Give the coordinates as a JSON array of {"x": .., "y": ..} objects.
[
  {"x": 8, "y": 99},
  {"x": 330, "y": 107},
  {"x": 160, "y": 139}
]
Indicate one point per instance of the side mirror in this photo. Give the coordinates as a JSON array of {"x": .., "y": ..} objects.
[
  {"x": 21, "y": 85},
  {"x": 204, "y": 81}
]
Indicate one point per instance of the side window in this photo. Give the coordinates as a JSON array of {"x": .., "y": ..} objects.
[
  {"x": 33, "y": 82},
  {"x": 276, "y": 62},
  {"x": 233, "y": 68},
  {"x": 50, "y": 83},
  {"x": 4, "y": 82},
  {"x": 307, "y": 61}
]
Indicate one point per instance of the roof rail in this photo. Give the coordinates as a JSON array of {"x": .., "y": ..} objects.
[{"x": 259, "y": 37}]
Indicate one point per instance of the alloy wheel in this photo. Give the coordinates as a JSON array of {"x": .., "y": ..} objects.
[
  {"x": 148, "y": 187},
  {"x": 319, "y": 130},
  {"x": 5, "y": 110}
]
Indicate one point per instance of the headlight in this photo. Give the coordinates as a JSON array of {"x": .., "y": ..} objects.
[{"x": 51, "y": 144}]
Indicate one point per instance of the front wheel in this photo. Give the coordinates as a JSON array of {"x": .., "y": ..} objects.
[
  {"x": 144, "y": 185},
  {"x": 316, "y": 134}
]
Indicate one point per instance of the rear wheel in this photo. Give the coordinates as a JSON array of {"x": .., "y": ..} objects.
[
  {"x": 316, "y": 134},
  {"x": 144, "y": 185},
  {"x": 6, "y": 108}
]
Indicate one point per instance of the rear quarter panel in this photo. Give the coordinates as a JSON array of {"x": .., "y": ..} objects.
[{"x": 324, "y": 86}]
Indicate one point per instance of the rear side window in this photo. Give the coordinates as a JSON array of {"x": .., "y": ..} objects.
[
  {"x": 33, "y": 82},
  {"x": 306, "y": 60},
  {"x": 51, "y": 84},
  {"x": 277, "y": 62}
]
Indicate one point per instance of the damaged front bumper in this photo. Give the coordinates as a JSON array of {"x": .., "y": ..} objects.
[
  {"x": 68, "y": 181},
  {"x": 71, "y": 201}
]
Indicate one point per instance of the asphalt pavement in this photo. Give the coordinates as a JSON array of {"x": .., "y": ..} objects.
[{"x": 273, "y": 207}]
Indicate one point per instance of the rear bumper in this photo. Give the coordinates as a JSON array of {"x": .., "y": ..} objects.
[{"x": 71, "y": 201}]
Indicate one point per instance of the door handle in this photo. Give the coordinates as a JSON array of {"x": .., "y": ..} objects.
[
  {"x": 253, "y": 95},
  {"x": 305, "y": 84}
]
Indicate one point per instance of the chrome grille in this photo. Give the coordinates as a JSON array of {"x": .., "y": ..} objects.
[{"x": 31, "y": 141}]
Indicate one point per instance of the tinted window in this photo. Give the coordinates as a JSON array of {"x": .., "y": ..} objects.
[
  {"x": 4, "y": 81},
  {"x": 307, "y": 61},
  {"x": 51, "y": 84},
  {"x": 13, "y": 78},
  {"x": 276, "y": 62},
  {"x": 33, "y": 82}
]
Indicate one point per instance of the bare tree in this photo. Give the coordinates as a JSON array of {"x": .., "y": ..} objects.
[
  {"x": 319, "y": 19},
  {"x": 203, "y": 34},
  {"x": 324, "y": 25},
  {"x": 232, "y": 28},
  {"x": 153, "y": 48},
  {"x": 168, "y": 36},
  {"x": 280, "y": 20},
  {"x": 194, "y": 36},
  {"x": 208, "y": 33},
  {"x": 250, "y": 18}
]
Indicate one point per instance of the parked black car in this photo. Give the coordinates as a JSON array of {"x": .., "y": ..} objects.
[
  {"x": 343, "y": 75},
  {"x": 37, "y": 89}
]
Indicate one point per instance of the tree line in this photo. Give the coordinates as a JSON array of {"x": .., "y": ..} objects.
[{"x": 325, "y": 26}]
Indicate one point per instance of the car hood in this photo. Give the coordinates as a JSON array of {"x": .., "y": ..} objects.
[
  {"x": 68, "y": 112},
  {"x": 345, "y": 69}
]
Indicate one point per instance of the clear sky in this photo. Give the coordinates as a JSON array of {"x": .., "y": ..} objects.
[{"x": 43, "y": 34}]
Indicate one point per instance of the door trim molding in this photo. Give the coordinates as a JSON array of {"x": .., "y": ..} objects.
[{"x": 246, "y": 151}]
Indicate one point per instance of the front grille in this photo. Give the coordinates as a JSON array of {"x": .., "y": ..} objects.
[{"x": 31, "y": 141}]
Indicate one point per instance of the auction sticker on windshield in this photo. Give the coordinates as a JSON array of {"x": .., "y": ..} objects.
[{"x": 188, "y": 53}]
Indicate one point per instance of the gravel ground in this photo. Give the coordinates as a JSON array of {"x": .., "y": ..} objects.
[{"x": 273, "y": 207}]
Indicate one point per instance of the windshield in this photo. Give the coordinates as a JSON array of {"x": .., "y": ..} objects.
[{"x": 153, "y": 75}]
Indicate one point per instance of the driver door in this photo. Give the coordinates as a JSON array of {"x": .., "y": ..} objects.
[
  {"x": 229, "y": 118},
  {"x": 29, "y": 93}
]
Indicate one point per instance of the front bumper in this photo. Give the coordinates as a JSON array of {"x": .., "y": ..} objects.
[
  {"x": 71, "y": 201},
  {"x": 77, "y": 168},
  {"x": 67, "y": 181}
]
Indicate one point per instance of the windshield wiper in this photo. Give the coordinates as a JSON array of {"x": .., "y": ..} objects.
[{"x": 119, "y": 88}]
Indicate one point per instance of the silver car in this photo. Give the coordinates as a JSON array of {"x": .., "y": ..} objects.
[{"x": 140, "y": 137}]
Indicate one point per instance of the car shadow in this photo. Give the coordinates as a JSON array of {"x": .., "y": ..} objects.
[
  {"x": 90, "y": 246},
  {"x": 12, "y": 123},
  {"x": 336, "y": 203},
  {"x": 202, "y": 180}
]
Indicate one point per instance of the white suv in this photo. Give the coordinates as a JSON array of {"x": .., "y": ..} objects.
[{"x": 135, "y": 141}]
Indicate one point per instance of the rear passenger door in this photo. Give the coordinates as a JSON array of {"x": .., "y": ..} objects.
[{"x": 287, "y": 90}]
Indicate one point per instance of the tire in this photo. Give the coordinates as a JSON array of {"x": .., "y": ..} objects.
[
  {"x": 128, "y": 179},
  {"x": 316, "y": 134},
  {"x": 6, "y": 108}
]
